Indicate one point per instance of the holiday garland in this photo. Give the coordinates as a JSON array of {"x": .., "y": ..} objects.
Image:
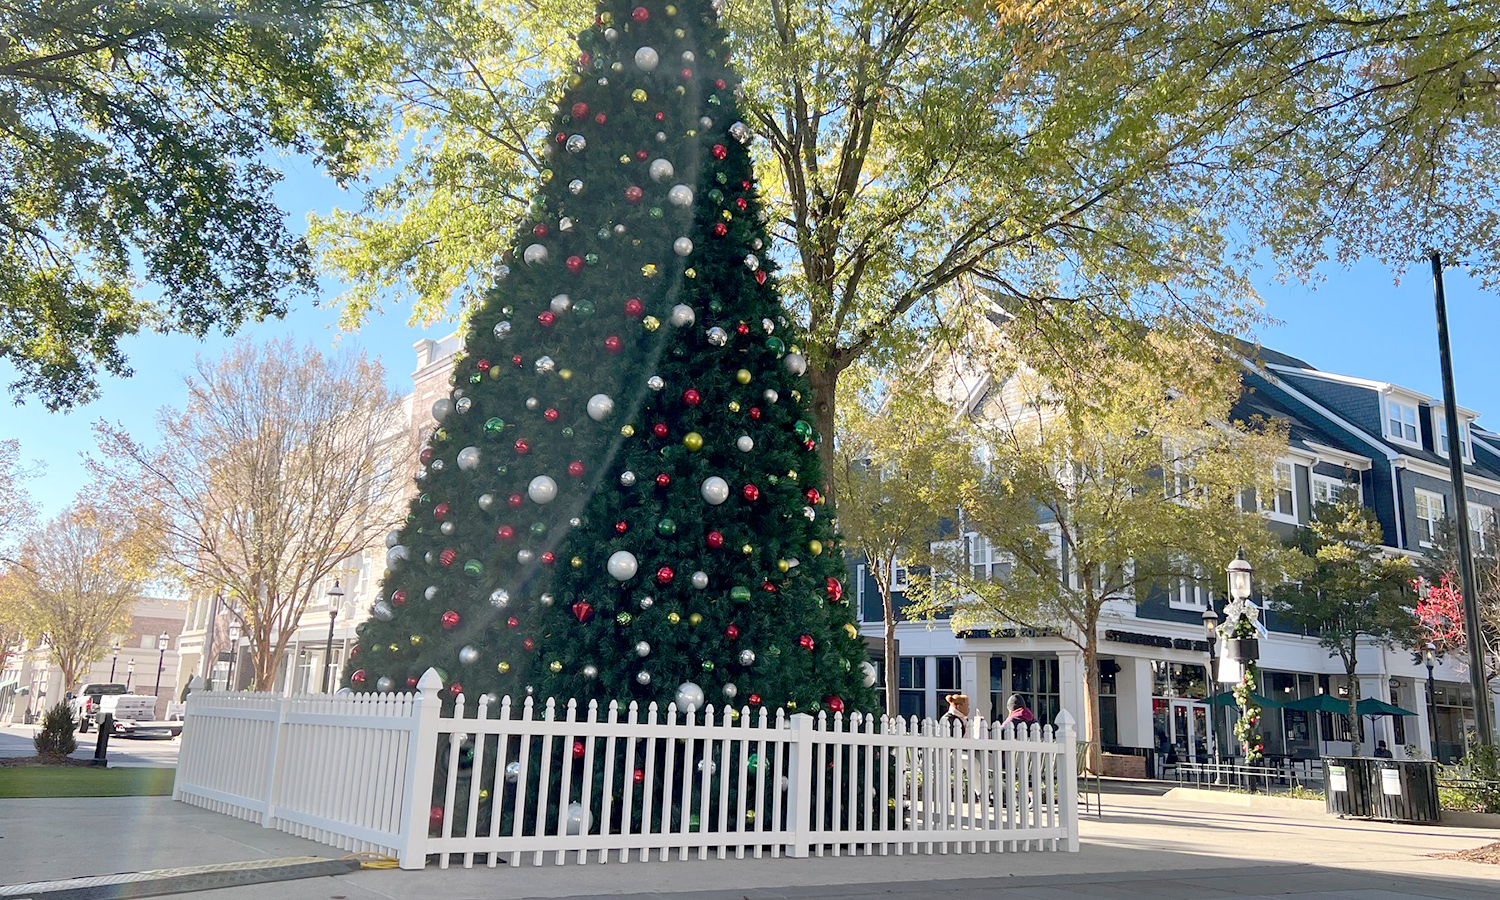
[{"x": 1247, "y": 729}]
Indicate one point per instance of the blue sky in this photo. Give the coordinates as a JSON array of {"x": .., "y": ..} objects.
[{"x": 1355, "y": 322}]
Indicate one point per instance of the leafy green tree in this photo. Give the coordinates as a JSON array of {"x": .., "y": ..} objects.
[
  {"x": 16, "y": 508},
  {"x": 135, "y": 184},
  {"x": 1355, "y": 591}
]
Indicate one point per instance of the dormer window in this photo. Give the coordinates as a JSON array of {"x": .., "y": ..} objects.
[
  {"x": 1400, "y": 420},
  {"x": 1440, "y": 443}
]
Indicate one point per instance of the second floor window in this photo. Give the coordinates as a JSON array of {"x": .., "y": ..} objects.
[
  {"x": 1440, "y": 442},
  {"x": 1430, "y": 512},
  {"x": 1482, "y": 528},
  {"x": 1401, "y": 421},
  {"x": 1283, "y": 502},
  {"x": 1333, "y": 490},
  {"x": 985, "y": 561}
]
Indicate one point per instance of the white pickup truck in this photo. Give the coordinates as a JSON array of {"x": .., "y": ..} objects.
[{"x": 135, "y": 716}]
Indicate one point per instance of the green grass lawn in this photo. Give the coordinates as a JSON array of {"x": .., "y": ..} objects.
[{"x": 76, "y": 781}]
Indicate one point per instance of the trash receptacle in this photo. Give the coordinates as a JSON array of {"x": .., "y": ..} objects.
[
  {"x": 1347, "y": 786},
  {"x": 1404, "y": 790}
]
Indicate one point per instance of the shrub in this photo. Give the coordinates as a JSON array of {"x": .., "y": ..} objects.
[
  {"x": 55, "y": 741},
  {"x": 1473, "y": 783}
]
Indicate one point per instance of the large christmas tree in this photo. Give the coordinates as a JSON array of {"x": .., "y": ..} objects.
[{"x": 621, "y": 499}]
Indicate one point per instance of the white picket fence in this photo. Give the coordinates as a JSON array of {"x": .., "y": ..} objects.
[{"x": 389, "y": 773}]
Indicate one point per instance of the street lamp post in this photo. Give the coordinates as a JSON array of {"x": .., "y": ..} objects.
[
  {"x": 335, "y": 597},
  {"x": 1244, "y": 648},
  {"x": 1211, "y": 633},
  {"x": 234, "y": 653},
  {"x": 163, "y": 640},
  {"x": 114, "y": 659},
  {"x": 129, "y": 673},
  {"x": 1430, "y": 658}
]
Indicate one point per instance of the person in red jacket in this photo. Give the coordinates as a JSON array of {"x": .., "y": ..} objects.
[{"x": 1016, "y": 712}]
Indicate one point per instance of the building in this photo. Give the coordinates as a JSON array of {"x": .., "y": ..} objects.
[
  {"x": 31, "y": 684},
  {"x": 1384, "y": 443}
]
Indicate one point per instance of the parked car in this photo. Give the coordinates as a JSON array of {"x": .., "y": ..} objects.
[
  {"x": 135, "y": 716},
  {"x": 84, "y": 705}
]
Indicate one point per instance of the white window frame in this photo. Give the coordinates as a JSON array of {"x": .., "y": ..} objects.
[
  {"x": 1396, "y": 413},
  {"x": 1435, "y": 506},
  {"x": 1188, "y": 593},
  {"x": 1481, "y": 527},
  {"x": 1440, "y": 435},
  {"x": 900, "y": 579},
  {"x": 859, "y": 592},
  {"x": 985, "y": 562},
  {"x": 1273, "y": 509},
  {"x": 1332, "y": 487}
]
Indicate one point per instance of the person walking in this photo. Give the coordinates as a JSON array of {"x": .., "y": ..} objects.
[{"x": 1016, "y": 712}]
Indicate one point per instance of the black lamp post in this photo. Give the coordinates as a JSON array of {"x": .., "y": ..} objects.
[
  {"x": 129, "y": 673},
  {"x": 114, "y": 659},
  {"x": 1245, "y": 650},
  {"x": 335, "y": 597},
  {"x": 163, "y": 640},
  {"x": 234, "y": 653},
  {"x": 1430, "y": 658},
  {"x": 1211, "y": 633}
]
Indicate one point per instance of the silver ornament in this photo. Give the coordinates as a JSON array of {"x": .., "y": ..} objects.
[
  {"x": 533, "y": 403},
  {"x": 771, "y": 395},
  {"x": 809, "y": 513},
  {"x": 543, "y": 489},
  {"x": 565, "y": 224},
  {"x": 744, "y": 443},
  {"x": 576, "y": 143},
  {"x": 643, "y": 678},
  {"x": 502, "y": 273},
  {"x": 747, "y": 657},
  {"x": 661, "y": 170},
  {"x": 680, "y": 195},
  {"x": 619, "y": 229},
  {"x": 392, "y": 538},
  {"x": 688, "y": 57},
  {"x": 525, "y": 557},
  {"x": 705, "y": 122},
  {"x": 683, "y": 246},
  {"x": 647, "y": 602},
  {"x": 431, "y": 592},
  {"x": 617, "y": 66},
  {"x": 438, "y": 465},
  {"x": 513, "y": 772},
  {"x": 486, "y": 502},
  {"x": 534, "y": 254},
  {"x": 689, "y": 697},
  {"x": 600, "y": 407},
  {"x": 546, "y": 599},
  {"x": 575, "y": 186},
  {"x": 502, "y": 330},
  {"x": 700, "y": 580},
  {"x": 447, "y": 528},
  {"x": 561, "y": 303},
  {"x": 718, "y": 336},
  {"x": 709, "y": 766},
  {"x": 642, "y": 649},
  {"x": 661, "y": 137},
  {"x": 384, "y": 684},
  {"x": 590, "y": 671},
  {"x": 463, "y": 405},
  {"x": 655, "y": 383},
  {"x": 397, "y": 556},
  {"x": 621, "y": 565},
  {"x": 752, "y": 262},
  {"x": 545, "y": 365},
  {"x": 730, "y": 689},
  {"x": 740, "y": 132},
  {"x": 627, "y": 478},
  {"x": 682, "y": 316},
  {"x": 767, "y": 326},
  {"x": 867, "y": 672},
  {"x": 442, "y": 409},
  {"x": 795, "y": 363},
  {"x": 646, "y": 59},
  {"x": 468, "y": 459},
  {"x": 715, "y": 490},
  {"x": 383, "y": 611},
  {"x": 500, "y": 598},
  {"x": 468, "y": 655},
  {"x": 421, "y": 473},
  {"x": 611, "y": 35}
]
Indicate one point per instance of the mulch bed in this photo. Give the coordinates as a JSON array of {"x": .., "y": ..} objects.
[
  {"x": 16, "y": 761},
  {"x": 1489, "y": 853}
]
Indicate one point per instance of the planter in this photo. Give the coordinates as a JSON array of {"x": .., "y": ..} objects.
[{"x": 1242, "y": 649}]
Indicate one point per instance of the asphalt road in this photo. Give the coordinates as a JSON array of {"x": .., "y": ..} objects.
[{"x": 15, "y": 740}]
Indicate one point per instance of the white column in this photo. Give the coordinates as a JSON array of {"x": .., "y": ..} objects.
[
  {"x": 974, "y": 681},
  {"x": 1070, "y": 687},
  {"x": 1377, "y": 686},
  {"x": 1133, "y": 687},
  {"x": 935, "y": 705}
]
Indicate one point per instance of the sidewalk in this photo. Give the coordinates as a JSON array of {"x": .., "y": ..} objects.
[{"x": 1144, "y": 848}]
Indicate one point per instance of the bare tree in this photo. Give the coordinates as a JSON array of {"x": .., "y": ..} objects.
[
  {"x": 16, "y": 509},
  {"x": 282, "y": 463},
  {"x": 75, "y": 582}
]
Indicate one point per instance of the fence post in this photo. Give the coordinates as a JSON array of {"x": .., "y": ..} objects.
[
  {"x": 800, "y": 773},
  {"x": 185, "y": 767},
  {"x": 273, "y": 763},
  {"x": 1067, "y": 736},
  {"x": 421, "y": 765}
]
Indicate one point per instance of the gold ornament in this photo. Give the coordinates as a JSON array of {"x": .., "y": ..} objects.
[
  {"x": 565, "y": 374},
  {"x": 495, "y": 373},
  {"x": 792, "y": 474},
  {"x": 816, "y": 547},
  {"x": 651, "y": 323},
  {"x": 416, "y": 640},
  {"x": 624, "y": 160},
  {"x": 850, "y": 630},
  {"x": 695, "y": 619},
  {"x": 395, "y": 648},
  {"x": 649, "y": 270},
  {"x": 546, "y": 176},
  {"x": 638, "y": 95},
  {"x": 742, "y": 376},
  {"x": 791, "y": 704},
  {"x": 728, "y": 216},
  {"x": 796, "y": 396},
  {"x": 503, "y": 667},
  {"x": 671, "y": 10},
  {"x": 749, "y": 815},
  {"x": 673, "y": 618},
  {"x": 555, "y": 666},
  {"x": 576, "y": 562},
  {"x": 734, "y": 406},
  {"x": 783, "y": 566},
  {"x": 690, "y": 272},
  {"x": 575, "y": 80},
  {"x": 693, "y": 441},
  {"x": 627, "y": 431},
  {"x": 484, "y": 794},
  {"x": 747, "y": 549}
]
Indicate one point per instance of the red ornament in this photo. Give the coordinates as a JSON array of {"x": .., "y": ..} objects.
[
  {"x": 575, "y": 469},
  {"x": 835, "y": 589},
  {"x": 641, "y": 155},
  {"x": 580, "y": 110},
  {"x": 634, "y": 308},
  {"x": 517, "y": 360},
  {"x": 687, "y": 74},
  {"x": 483, "y": 365},
  {"x": 741, "y": 203},
  {"x": 547, "y": 319},
  {"x": 755, "y": 413},
  {"x": 752, "y": 493},
  {"x": 529, "y": 644},
  {"x": 426, "y": 456},
  {"x": 720, "y": 83},
  {"x": 622, "y": 526},
  {"x": 578, "y": 749},
  {"x": 398, "y": 598},
  {"x": 809, "y": 445},
  {"x": 660, "y": 429},
  {"x": 583, "y": 611},
  {"x": 358, "y": 677},
  {"x": 455, "y": 689},
  {"x": 600, "y": 118},
  {"x": 613, "y": 344},
  {"x": 639, "y": 776},
  {"x": 435, "y": 817},
  {"x": 663, "y": 480},
  {"x": 768, "y": 587},
  {"x": 505, "y": 533},
  {"x": 515, "y": 501},
  {"x": 574, "y": 264},
  {"x": 522, "y": 447},
  {"x": 742, "y": 329},
  {"x": 715, "y": 539},
  {"x": 450, "y": 619},
  {"x": 513, "y": 622},
  {"x": 664, "y": 575},
  {"x": 806, "y": 642},
  {"x": 640, "y": 14},
  {"x": 719, "y": 152},
  {"x": 561, "y": 137},
  {"x": 744, "y": 185},
  {"x": 813, "y": 496},
  {"x": 755, "y": 699},
  {"x": 661, "y": 117},
  {"x": 440, "y": 512},
  {"x": 584, "y": 59},
  {"x": 539, "y": 229},
  {"x": 834, "y": 704},
  {"x": 691, "y": 397},
  {"x": 550, "y": 414},
  {"x": 760, "y": 276},
  {"x": 411, "y": 681},
  {"x": 633, "y": 194},
  {"x": 548, "y": 558},
  {"x": 447, "y": 557},
  {"x": 732, "y": 631},
  {"x": 720, "y": 229}
]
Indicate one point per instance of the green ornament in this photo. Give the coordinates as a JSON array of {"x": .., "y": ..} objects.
[
  {"x": 656, "y": 212},
  {"x": 721, "y": 178},
  {"x": 501, "y": 470},
  {"x": 473, "y": 568},
  {"x": 591, "y": 258},
  {"x": 739, "y": 594},
  {"x": 752, "y": 762},
  {"x": 666, "y": 527},
  {"x": 494, "y": 428},
  {"x": 716, "y": 306},
  {"x": 708, "y": 665},
  {"x": 603, "y": 234},
  {"x": 476, "y": 378},
  {"x": 773, "y": 651},
  {"x": 583, "y": 309},
  {"x": 624, "y": 618},
  {"x": 425, "y": 498},
  {"x": 567, "y": 431},
  {"x": 538, "y": 528},
  {"x": 804, "y": 429},
  {"x": 716, "y": 195},
  {"x": 776, "y": 345}
]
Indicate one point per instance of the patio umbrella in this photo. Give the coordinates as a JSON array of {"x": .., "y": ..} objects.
[
  {"x": 1227, "y": 699},
  {"x": 1373, "y": 707},
  {"x": 1320, "y": 703}
]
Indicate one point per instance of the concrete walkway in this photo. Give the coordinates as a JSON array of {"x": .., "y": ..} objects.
[{"x": 1143, "y": 848}]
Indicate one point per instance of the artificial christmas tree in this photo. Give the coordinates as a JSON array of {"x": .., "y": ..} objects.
[{"x": 621, "y": 498}]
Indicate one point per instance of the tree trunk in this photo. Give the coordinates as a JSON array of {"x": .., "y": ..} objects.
[
  {"x": 1354, "y": 741},
  {"x": 892, "y": 661},
  {"x": 825, "y": 380},
  {"x": 1092, "y": 729}
]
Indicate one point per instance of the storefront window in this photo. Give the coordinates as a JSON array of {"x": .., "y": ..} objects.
[
  {"x": 1109, "y": 727},
  {"x": 1181, "y": 680},
  {"x": 913, "y": 686}
]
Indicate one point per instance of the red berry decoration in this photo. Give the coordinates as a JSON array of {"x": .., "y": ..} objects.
[
  {"x": 447, "y": 557},
  {"x": 715, "y": 539},
  {"x": 358, "y": 677},
  {"x": 505, "y": 533},
  {"x": 514, "y": 501},
  {"x": 687, "y": 74},
  {"x": 806, "y": 642},
  {"x": 455, "y": 689},
  {"x": 634, "y": 308},
  {"x": 398, "y": 599},
  {"x": 721, "y": 84},
  {"x": 741, "y": 203},
  {"x": 578, "y": 749},
  {"x": 835, "y": 589},
  {"x": 549, "y": 558},
  {"x": 613, "y": 344},
  {"x": 640, "y": 14},
  {"x": 517, "y": 360},
  {"x": 450, "y": 619},
  {"x": 633, "y": 194},
  {"x": 575, "y": 469},
  {"x": 663, "y": 480},
  {"x": 752, "y": 493},
  {"x": 513, "y": 622},
  {"x": 834, "y": 704},
  {"x": 661, "y": 117},
  {"x": 522, "y": 447},
  {"x": 621, "y": 527},
  {"x": 579, "y": 110},
  {"x": 664, "y": 575},
  {"x": 732, "y": 631},
  {"x": 744, "y": 185},
  {"x": 583, "y": 611},
  {"x": 641, "y": 155},
  {"x": 574, "y": 264},
  {"x": 440, "y": 512},
  {"x": 755, "y": 413},
  {"x": 547, "y": 319},
  {"x": 660, "y": 429},
  {"x": 691, "y": 397},
  {"x": 719, "y": 152}
]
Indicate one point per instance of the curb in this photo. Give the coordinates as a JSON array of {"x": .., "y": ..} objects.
[{"x": 157, "y": 882}]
